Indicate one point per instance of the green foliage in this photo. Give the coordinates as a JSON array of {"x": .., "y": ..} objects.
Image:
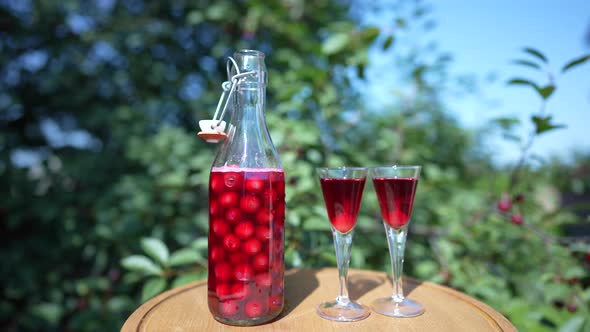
[{"x": 114, "y": 209}]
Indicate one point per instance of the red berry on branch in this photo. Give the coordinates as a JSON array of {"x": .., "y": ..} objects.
[
  {"x": 517, "y": 219},
  {"x": 519, "y": 198},
  {"x": 504, "y": 205},
  {"x": 572, "y": 308}
]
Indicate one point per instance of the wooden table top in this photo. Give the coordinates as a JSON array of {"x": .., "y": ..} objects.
[{"x": 184, "y": 309}]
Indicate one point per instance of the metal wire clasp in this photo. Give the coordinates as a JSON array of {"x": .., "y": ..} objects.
[{"x": 214, "y": 130}]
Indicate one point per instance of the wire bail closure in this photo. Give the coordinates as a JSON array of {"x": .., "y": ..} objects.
[{"x": 212, "y": 131}]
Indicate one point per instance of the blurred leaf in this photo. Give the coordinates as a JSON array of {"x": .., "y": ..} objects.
[
  {"x": 575, "y": 62},
  {"x": 546, "y": 91},
  {"x": 152, "y": 287},
  {"x": 527, "y": 63},
  {"x": 185, "y": 256},
  {"x": 370, "y": 34},
  {"x": 388, "y": 42},
  {"x": 194, "y": 17},
  {"x": 51, "y": 312},
  {"x": 141, "y": 263},
  {"x": 400, "y": 22},
  {"x": 335, "y": 43},
  {"x": 543, "y": 124},
  {"x": 156, "y": 249},
  {"x": 573, "y": 325},
  {"x": 522, "y": 81},
  {"x": 506, "y": 123},
  {"x": 316, "y": 224},
  {"x": 535, "y": 53},
  {"x": 187, "y": 278},
  {"x": 200, "y": 243}
]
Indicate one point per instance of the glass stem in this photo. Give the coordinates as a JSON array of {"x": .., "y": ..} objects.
[
  {"x": 396, "y": 239},
  {"x": 342, "y": 244}
]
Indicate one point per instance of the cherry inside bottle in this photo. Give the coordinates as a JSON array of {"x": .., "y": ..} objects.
[{"x": 246, "y": 253}]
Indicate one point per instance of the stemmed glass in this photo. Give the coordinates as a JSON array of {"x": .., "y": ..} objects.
[
  {"x": 343, "y": 190},
  {"x": 396, "y": 187}
]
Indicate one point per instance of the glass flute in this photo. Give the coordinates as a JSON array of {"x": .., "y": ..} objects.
[
  {"x": 396, "y": 188},
  {"x": 343, "y": 190}
]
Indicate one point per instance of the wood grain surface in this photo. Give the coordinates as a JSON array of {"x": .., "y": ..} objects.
[{"x": 184, "y": 309}]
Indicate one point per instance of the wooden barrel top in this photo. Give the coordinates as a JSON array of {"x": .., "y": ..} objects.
[{"x": 184, "y": 309}]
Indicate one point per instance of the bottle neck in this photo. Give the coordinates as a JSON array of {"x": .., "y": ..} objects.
[{"x": 249, "y": 105}]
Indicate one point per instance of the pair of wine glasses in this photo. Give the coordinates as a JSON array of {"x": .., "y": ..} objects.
[{"x": 395, "y": 187}]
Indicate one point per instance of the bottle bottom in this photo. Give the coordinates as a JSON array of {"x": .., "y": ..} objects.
[{"x": 249, "y": 322}]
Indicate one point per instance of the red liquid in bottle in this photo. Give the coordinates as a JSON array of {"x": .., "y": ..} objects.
[
  {"x": 246, "y": 234},
  {"x": 396, "y": 198},
  {"x": 343, "y": 199}
]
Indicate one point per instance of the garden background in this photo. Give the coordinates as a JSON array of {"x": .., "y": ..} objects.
[{"x": 103, "y": 183}]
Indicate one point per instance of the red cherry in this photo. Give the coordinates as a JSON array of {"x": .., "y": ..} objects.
[
  {"x": 231, "y": 242},
  {"x": 223, "y": 271},
  {"x": 219, "y": 227},
  {"x": 216, "y": 254},
  {"x": 254, "y": 186},
  {"x": 229, "y": 308},
  {"x": 215, "y": 183},
  {"x": 244, "y": 229},
  {"x": 587, "y": 256},
  {"x": 238, "y": 257},
  {"x": 254, "y": 308},
  {"x": 260, "y": 262},
  {"x": 517, "y": 219},
  {"x": 214, "y": 209},
  {"x": 570, "y": 307},
  {"x": 263, "y": 233},
  {"x": 228, "y": 199},
  {"x": 269, "y": 197},
  {"x": 233, "y": 180},
  {"x": 504, "y": 205},
  {"x": 252, "y": 246},
  {"x": 265, "y": 217},
  {"x": 243, "y": 272},
  {"x": 240, "y": 290},
  {"x": 275, "y": 302},
  {"x": 233, "y": 215},
  {"x": 223, "y": 291},
  {"x": 250, "y": 204},
  {"x": 263, "y": 280}
]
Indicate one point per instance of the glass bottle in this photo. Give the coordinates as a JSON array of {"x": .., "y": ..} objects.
[{"x": 246, "y": 208}]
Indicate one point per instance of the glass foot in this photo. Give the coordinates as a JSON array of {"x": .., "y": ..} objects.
[
  {"x": 342, "y": 311},
  {"x": 389, "y": 307}
]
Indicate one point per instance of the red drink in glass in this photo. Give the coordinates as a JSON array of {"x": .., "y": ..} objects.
[
  {"x": 246, "y": 213},
  {"x": 343, "y": 199},
  {"x": 396, "y": 198}
]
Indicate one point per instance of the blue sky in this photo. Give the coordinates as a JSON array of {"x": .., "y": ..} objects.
[{"x": 485, "y": 36}]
